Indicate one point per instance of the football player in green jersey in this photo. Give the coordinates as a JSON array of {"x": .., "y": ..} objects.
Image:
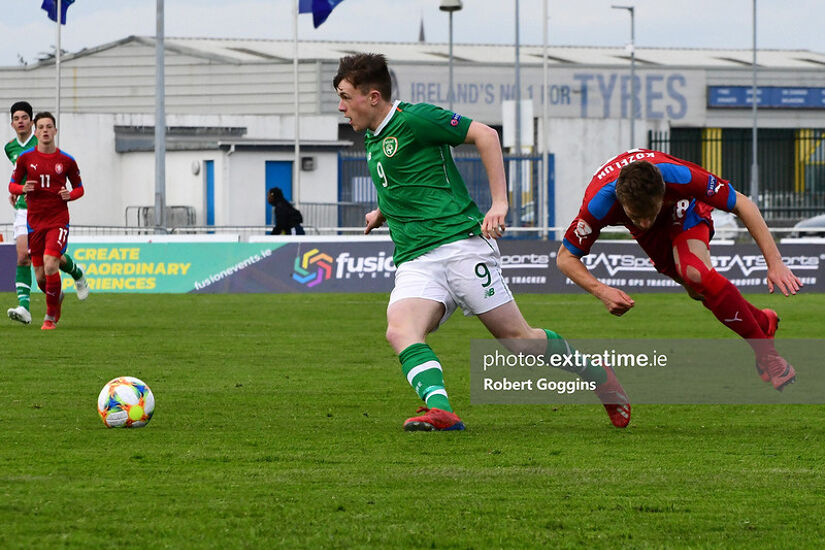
[
  {"x": 21, "y": 122},
  {"x": 445, "y": 249}
]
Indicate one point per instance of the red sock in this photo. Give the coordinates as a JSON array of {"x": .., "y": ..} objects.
[
  {"x": 721, "y": 297},
  {"x": 760, "y": 317},
  {"x": 53, "y": 295},
  {"x": 727, "y": 304}
]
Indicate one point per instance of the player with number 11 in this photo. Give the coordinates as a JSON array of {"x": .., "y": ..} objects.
[{"x": 42, "y": 174}]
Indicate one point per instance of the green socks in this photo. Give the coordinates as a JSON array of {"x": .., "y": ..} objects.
[
  {"x": 589, "y": 372},
  {"x": 23, "y": 284},
  {"x": 71, "y": 268},
  {"x": 423, "y": 371}
]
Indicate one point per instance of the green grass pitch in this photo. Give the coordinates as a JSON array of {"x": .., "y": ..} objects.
[{"x": 278, "y": 425}]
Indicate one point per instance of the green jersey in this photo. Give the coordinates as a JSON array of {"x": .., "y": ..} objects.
[
  {"x": 13, "y": 150},
  {"x": 420, "y": 192}
]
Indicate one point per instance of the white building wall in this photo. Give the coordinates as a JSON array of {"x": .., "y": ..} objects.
[
  {"x": 580, "y": 147},
  {"x": 115, "y": 181},
  {"x": 244, "y": 195}
]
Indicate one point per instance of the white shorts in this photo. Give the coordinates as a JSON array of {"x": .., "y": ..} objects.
[
  {"x": 21, "y": 227},
  {"x": 464, "y": 273}
]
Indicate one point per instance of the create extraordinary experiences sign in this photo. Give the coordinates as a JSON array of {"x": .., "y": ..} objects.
[{"x": 365, "y": 265}]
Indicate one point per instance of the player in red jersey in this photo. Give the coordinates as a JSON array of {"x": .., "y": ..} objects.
[
  {"x": 666, "y": 204},
  {"x": 41, "y": 173}
]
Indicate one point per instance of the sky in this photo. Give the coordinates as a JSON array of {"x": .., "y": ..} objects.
[{"x": 26, "y": 33}]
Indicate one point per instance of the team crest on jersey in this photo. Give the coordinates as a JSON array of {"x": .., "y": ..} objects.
[
  {"x": 455, "y": 119},
  {"x": 582, "y": 230},
  {"x": 58, "y": 168},
  {"x": 390, "y": 146}
]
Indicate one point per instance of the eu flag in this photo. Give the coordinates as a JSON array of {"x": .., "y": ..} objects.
[
  {"x": 51, "y": 8},
  {"x": 320, "y": 9}
]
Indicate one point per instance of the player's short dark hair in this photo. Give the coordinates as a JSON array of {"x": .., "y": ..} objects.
[
  {"x": 365, "y": 71},
  {"x": 24, "y": 106},
  {"x": 44, "y": 114},
  {"x": 640, "y": 185}
]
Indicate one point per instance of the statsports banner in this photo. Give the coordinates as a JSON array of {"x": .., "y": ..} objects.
[{"x": 364, "y": 264}]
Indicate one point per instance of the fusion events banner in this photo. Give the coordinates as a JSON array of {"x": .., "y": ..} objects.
[{"x": 365, "y": 265}]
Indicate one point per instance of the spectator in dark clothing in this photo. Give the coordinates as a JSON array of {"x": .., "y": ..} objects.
[{"x": 288, "y": 219}]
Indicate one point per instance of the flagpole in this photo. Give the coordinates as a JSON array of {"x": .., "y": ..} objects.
[
  {"x": 296, "y": 165},
  {"x": 57, "y": 67}
]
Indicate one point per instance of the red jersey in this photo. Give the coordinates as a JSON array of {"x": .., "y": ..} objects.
[
  {"x": 50, "y": 172},
  {"x": 683, "y": 180}
]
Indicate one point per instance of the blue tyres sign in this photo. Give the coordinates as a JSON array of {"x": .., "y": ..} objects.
[{"x": 769, "y": 97}]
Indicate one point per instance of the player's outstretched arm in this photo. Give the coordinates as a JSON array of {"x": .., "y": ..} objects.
[
  {"x": 779, "y": 274},
  {"x": 489, "y": 148},
  {"x": 374, "y": 219},
  {"x": 616, "y": 301}
]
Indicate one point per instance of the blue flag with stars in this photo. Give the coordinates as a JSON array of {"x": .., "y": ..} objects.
[
  {"x": 320, "y": 9},
  {"x": 51, "y": 8}
]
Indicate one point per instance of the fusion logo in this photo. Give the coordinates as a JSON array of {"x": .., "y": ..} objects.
[
  {"x": 363, "y": 266},
  {"x": 312, "y": 268}
]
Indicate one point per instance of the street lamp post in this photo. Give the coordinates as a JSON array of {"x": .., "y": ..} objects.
[
  {"x": 450, "y": 6},
  {"x": 545, "y": 149},
  {"x": 160, "y": 120},
  {"x": 754, "y": 104},
  {"x": 517, "y": 183},
  {"x": 632, "y": 11}
]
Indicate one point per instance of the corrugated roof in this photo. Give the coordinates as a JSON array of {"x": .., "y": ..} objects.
[
  {"x": 241, "y": 51},
  {"x": 256, "y": 51}
]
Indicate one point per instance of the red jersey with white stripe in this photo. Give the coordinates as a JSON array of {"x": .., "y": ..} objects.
[
  {"x": 50, "y": 172},
  {"x": 699, "y": 189}
]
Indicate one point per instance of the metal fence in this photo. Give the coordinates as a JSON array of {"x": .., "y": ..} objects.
[
  {"x": 356, "y": 191},
  {"x": 144, "y": 216},
  {"x": 334, "y": 214},
  {"x": 791, "y": 164}
]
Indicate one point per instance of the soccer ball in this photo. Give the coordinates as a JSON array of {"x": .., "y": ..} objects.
[{"x": 125, "y": 402}]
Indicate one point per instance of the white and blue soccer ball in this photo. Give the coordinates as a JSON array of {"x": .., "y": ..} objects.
[{"x": 126, "y": 402}]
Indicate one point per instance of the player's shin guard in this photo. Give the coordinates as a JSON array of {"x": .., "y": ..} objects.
[
  {"x": 423, "y": 371},
  {"x": 556, "y": 345},
  {"x": 23, "y": 284},
  {"x": 52, "y": 292}
]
